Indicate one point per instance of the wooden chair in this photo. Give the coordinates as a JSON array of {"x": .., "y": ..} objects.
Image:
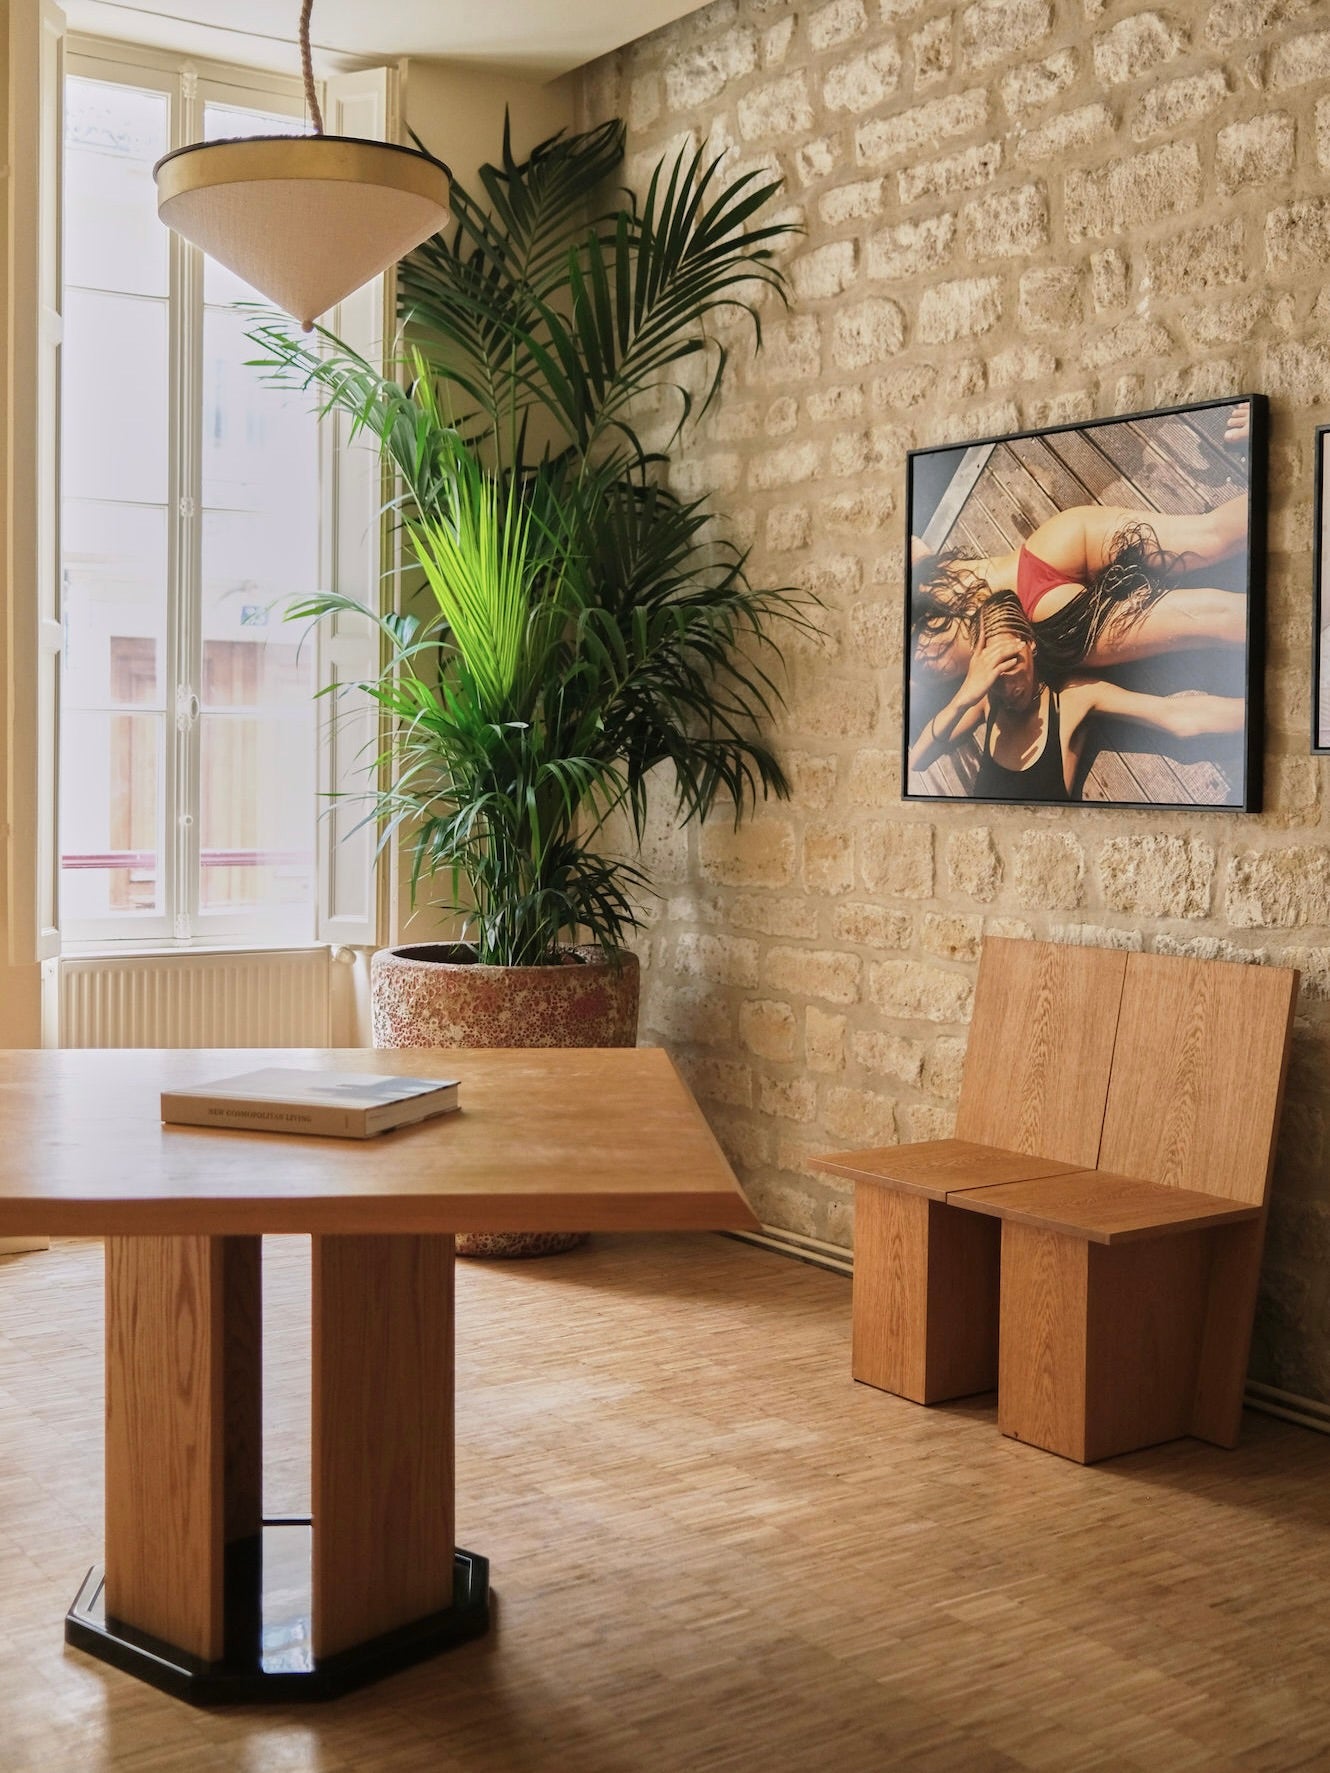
[
  {"x": 1128, "y": 1292},
  {"x": 925, "y": 1309}
]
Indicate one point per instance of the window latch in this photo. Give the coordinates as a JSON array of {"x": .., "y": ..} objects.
[{"x": 186, "y": 709}]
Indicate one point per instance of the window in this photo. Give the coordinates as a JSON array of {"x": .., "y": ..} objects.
[{"x": 191, "y": 517}]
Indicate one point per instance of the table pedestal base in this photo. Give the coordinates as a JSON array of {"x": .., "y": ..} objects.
[{"x": 269, "y": 1655}]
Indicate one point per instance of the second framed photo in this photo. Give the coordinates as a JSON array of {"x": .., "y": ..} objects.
[{"x": 1086, "y": 613}]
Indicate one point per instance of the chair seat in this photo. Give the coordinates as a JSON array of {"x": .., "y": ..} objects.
[
  {"x": 1101, "y": 1207},
  {"x": 938, "y": 1167}
]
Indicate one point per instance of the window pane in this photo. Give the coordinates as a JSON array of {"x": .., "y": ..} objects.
[
  {"x": 114, "y": 591},
  {"x": 111, "y": 805},
  {"x": 114, "y": 429},
  {"x": 260, "y": 443},
  {"x": 113, "y": 137}
]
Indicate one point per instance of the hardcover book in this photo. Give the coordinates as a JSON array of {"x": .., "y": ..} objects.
[{"x": 332, "y": 1104}]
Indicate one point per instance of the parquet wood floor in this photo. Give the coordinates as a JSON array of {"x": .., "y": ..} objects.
[{"x": 713, "y": 1553}]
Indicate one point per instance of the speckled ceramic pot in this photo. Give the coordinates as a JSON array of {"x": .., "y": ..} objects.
[{"x": 430, "y": 995}]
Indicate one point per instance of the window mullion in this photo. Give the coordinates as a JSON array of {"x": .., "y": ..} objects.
[{"x": 187, "y": 599}]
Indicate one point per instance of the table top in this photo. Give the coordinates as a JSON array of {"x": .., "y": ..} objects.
[{"x": 545, "y": 1139}]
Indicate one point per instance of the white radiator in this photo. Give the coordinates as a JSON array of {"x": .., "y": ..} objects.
[{"x": 277, "y": 999}]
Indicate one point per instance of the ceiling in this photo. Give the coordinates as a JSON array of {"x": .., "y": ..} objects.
[{"x": 535, "y": 38}]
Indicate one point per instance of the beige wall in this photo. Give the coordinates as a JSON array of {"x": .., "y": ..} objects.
[{"x": 1017, "y": 212}]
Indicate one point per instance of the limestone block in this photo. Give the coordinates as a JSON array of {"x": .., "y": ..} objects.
[
  {"x": 1132, "y": 48},
  {"x": 910, "y": 247},
  {"x": 883, "y": 139},
  {"x": 836, "y": 23},
  {"x": 1050, "y": 299},
  {"x": 721, "y": 960},
  {"x": 793, "y": 464},
  {"x": 1130, "y": 341},
  {"x": 974, "y": 866},
  {"x": 965, "y": 171},
  {"x": 788, "y": 528},
  {"x": 919, "y": 991},
  {"x": 1297, "y": 60},
  {"x": 1177, "y": 103},
  {"x": 812, "y": 779},
  {"x": 828, "y": 861},
  {"x": 951, "y": 936},
  {"x": 922, "y": 1120},
  {"x": 1255, "y": 152},
  {"x": 851, "y": 203},
  {"x": 769, "y": 1029},
  {"x": 1050, "y": 870},
  {"x": 1034, "y": 84},
  {"x": 1157, "y": 876},
  {"x": 951, "y": 311},
  {"x": 1109, "y": 279},
  {"x": 1323, "y": 133},
  {"x": 808, "y": 972},
  {"x": 872, "y": 926},
  {"x": 819, "y": 158},
  {"x": 1279, "y": 889},
  {"x": 896, "y": 858},
  {"x": 789, "y": 918},
  {"x": 890, "y": 1055},
  {"x": 1134, "y": 191},
  {"x": 778, "y": 108},
  {"x": 776, "y": 40},
  {"x": 759, "y": 853},
  {"x": 1007, "y": 224},
  {"x": 824, "y": 1040},
  {"x": 859, "y": 1117},
  {"x": 867, "y": 332},
  {"x": 835, "y": 405},
  {"x": 1196, "y": 259},
  {"x": 1297, "y": 373},
  {"x": 863, "y": 82},
  {"x": 995, "y": 30},
  {"x": 788, "y": 1098},
  {"x": 930, "y": 50},
  {"x": 703, "y": 71},
  {"x": 1297, "y": 235},
  {"x": 944, "y": 1062},
  {"x": 826, "y": 271},
  {"x": 1066, "y": 133}
]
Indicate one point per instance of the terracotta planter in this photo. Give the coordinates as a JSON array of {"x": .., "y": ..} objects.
[{"x": 429, "y": 995}]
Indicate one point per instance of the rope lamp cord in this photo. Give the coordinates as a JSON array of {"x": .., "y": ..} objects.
[{"x": 307, "y": 68}]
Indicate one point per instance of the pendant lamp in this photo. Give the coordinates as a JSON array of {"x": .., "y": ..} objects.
[{"x": 305, "y": 219}]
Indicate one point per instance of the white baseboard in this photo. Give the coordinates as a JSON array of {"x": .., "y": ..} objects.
[{"x": 1287, "y": 1405}]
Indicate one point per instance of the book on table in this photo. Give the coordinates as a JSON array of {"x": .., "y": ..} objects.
[{"x": 332, "y": 1104}]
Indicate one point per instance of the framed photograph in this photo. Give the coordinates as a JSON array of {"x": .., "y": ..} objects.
[
  {"x": 1086, "y": 612},
  {"x": 1321, "y": 591}
]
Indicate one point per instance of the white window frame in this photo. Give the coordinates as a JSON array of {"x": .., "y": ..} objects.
[{"x": 348, "y": 894}]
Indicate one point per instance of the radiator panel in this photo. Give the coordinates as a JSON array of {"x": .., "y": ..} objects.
[{"x": 278, "y": 999}]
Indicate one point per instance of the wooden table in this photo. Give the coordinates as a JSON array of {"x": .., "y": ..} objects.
[{"x": 199, "y": 1594}]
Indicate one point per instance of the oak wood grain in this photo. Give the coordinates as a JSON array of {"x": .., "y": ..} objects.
[
  {"x": 546, "y": 1140},
  {"x": 383, "y": 1434},
  {"x": 1041, "y": 1045},
  {"x": 1042, "y": 1340},
  {"x": 1198, "y": 1074},
  {"x": 937, "y": 1167},
  {"x": 165, "y": 1463},
  {"x": 1102, "y": 1208}
]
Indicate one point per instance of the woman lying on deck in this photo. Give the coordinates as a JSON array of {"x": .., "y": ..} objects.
[
  {"x": 1033, "y": 734},
  {"x": 1098, "y": 583}
]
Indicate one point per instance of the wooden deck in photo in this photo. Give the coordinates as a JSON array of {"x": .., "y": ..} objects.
[{"x": 1002, "y": 492}]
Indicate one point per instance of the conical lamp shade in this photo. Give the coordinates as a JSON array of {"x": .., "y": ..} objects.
[{"x": 304, "y": 219}]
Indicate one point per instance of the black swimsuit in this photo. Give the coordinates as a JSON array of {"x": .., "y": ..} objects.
[{"x": 1042, "y": 780}]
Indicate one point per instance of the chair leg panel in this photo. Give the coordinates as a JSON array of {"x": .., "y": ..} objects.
[
  {"x": 1042, "y": 1342},
  {"x": 964, "y": 1259},
  {"x": 889, "y": 1343}
]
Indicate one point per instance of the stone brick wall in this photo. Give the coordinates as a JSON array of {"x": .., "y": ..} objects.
[{"x": 1015, "y": 213}]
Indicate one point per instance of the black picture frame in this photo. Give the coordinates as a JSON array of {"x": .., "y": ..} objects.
[
  {"x": 1320, "y": 591},
  {"x": 1166, "y": 457}
]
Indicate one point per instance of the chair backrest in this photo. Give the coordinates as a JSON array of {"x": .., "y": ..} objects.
[
  {"x": 1041, "y": 1048},
  {"x": 1198, "y": 1074}
]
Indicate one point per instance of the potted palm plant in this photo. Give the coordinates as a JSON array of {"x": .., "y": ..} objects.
[{"x": 581, "y": 641}]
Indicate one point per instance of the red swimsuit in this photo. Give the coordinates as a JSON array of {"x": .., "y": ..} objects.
[{"x": 1035, "y": 578}]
